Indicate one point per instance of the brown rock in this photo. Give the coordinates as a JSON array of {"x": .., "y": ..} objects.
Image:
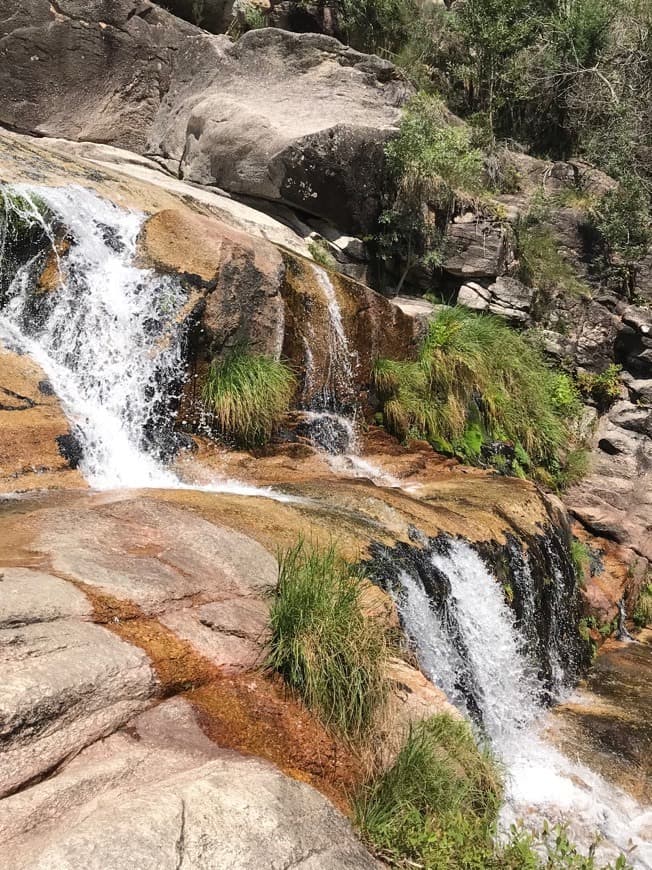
[{"x": 31, "y": 421}]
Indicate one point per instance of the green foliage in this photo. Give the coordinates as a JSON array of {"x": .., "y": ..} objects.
[
  {"x": 429, "y": 163},
  {"x": 439, "y": 798},
  {"x": 603, "y": 388},
  {"x": 247, "y": 395},
  {"x": 380, "y": 26},
  {"x": 321, "y": 643},
  {"x": 477, "y": 381},
  {"x": 643, "y": 612},
  {"x": 622, "y": 222},
  {"x": 581, "y": 558},
  {"x": 321, "y": 254},
  {"x": 437, "y": 806},
  {"x": 540, "y": 263}
]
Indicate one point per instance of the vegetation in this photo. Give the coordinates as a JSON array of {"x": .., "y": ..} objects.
[
  {"x": 603, "y": 388},
  {"x": 482, "y": 392},
  {"x": 247, "y": 395},
  {"x": 437, "y": 806},
  {"x": 581, "y": 558},
  {"x": 321, "y": 254},
  {"x": 643, "y": 611},
  {"x": 541, "y": 264},
  {"x": 431, "y": 164},
  {"x": 561, "y": 78},
  {"x": 322, "y": 644}
]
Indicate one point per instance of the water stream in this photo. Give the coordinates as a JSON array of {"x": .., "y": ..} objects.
[
  {"x": 109, "y": 337},
  {"x": 469, "y": 642}
]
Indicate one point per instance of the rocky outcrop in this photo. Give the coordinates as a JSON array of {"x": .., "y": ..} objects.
[
  {"x": 320, "y": 152},
  {"x": 87, "y": 70},
  {"x": 36, "y": 446},
  {"x": 213, "y": 112},
  {"x": 160, "y": 794}
]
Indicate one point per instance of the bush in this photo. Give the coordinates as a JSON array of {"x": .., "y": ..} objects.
[
  {"x": 477, "y": 382},
  {"x": 540, "y": 263},
  {"x": 429, "y": 163},
  {"x": 321, "y": 643},
  {"x": 581, "y": 558},
  {"x": 603, "y": 388},
  {"x": 247, "y": 395}
]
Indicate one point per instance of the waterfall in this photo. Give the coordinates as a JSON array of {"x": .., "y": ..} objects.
[
  {"x": 330, "y": 419},
  {"x": 479, "y": 652},
  {"x": 108, "y": 335}
]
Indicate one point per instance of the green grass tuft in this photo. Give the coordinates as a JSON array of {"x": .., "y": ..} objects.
[
  {"x": 436, "y": 803},
  {"x": 477, "y": 381},
  {"x": 437, "y": 807},
  {"x": 321, "y": 254},
  {"x": 322, "y": 644},
  {"x": 247, "y": 395},
  {"x": 643, "y": 612}
]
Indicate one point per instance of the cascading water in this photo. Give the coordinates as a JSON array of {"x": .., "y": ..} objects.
[
  {"x": 472, "y": 644},
  {"x": 330, "y": 420},
  {"x": 108, "y": 335}
]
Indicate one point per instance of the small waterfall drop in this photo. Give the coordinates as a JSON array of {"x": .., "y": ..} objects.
[
  {"x": 330, "y": 421},
  {"x": 108, "y": 335},
  {"x": 472, "y": 645}
]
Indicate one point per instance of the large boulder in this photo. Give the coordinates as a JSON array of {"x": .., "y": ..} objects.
[
  {"x": 297, "y": 118},
  {"x": 87, "y": 69}
]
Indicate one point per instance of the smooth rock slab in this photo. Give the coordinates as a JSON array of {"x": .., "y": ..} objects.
[
  {"x": 160, "y": 796},
  {"x": 64, "y": 684}
]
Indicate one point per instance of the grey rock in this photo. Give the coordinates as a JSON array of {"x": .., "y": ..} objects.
[
  {"x": 511, "y": 293},
  {"x": 28, "y": 596},
  {"x": 474, "y": 296},
  {"x": 161, "y": 795},
  {"x": 642, "y": 389},
  {"x": 476, "y": 248},
  {"x": 64, "y": 684},
  {"x": 320, "y": 150},
  {"x": 632, "y": 417}
]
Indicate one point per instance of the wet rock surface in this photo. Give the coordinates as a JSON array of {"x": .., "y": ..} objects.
[{"x": 33, "y": 428}]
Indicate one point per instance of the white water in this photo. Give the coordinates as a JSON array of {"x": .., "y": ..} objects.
[
  {"x": 542, "y": 783},
  {"x": 108, "y": 341},
  {"x": 338, "y": 432}
]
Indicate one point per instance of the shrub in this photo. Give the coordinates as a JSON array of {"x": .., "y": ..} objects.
[
  {"x": 247, "y": 395},
  {"x": 581, "y": 558},
  {"x": 322, "y": 644},
  {"x": 540, "y": 263},
  {"x": 429, "y": 163},
  {"x": 603, "y": 388},
  {"x": 477, "y": 382}
]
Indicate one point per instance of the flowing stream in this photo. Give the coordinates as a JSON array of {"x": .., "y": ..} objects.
[
  {"x": 468, "y": 642},
  {"x": 108, "y": 337}
]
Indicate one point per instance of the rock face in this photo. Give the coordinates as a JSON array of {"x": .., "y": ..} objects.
[
  {"x": 86, "y": 70},
  {"x": 35, "y": 432},
  {"x": 130, "y": 74},
  {"x": 160, "y": 794},
  {"x": 321, "y": 151}
]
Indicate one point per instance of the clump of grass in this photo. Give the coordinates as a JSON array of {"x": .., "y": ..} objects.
[
  {"x": 437, "y": 806},
  {"x": 321, "y": 254},
  {"x": 323, "y": 645},
  {"x": 247, "y": 395},
  {"x": 542, "y": 265},
  {"x": 436, "y": 803},
  {"x": 477, "y": 382},
  {"x": 643, "y": 612},
  {"x": 580, "y": 557}
]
